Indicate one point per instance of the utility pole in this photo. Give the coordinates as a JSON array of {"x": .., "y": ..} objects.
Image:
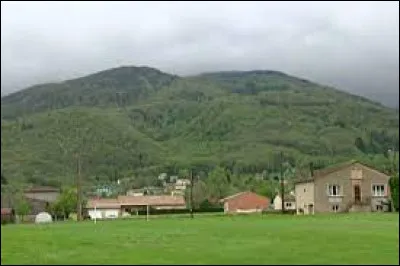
[
  {"x": 78, "y": 188},
  {"x": 282, "y": 183},
  {"x": 394, "y": 161},
  {"x": 191, "y": 194}
]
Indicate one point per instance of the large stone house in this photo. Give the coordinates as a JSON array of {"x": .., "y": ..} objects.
[{"x": 348, "y": 187}]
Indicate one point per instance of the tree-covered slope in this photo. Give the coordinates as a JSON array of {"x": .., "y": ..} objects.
[
  {"x": 240, "y": 120},
  {"x": 123, "y": 85}
]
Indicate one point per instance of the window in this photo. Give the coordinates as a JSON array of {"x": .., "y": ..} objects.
[
  {"x": 378, "y": 190},
  {"x": 335, "y": 208},
  {"x": 288, "y": 204},
  {"x": 304, "y": 190},
  {"x": 333, "y": 190},
  {"x": 379, "y": 207}
]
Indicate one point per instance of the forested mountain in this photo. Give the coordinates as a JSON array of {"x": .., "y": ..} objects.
[{"x": 139, "y": 120}]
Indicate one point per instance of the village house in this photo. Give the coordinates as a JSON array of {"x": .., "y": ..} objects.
[
  {"x": 103, "y": 208},
  {"x": 136, "y": 192},
  {"x": 245, "y": 202},
  {"x": 349, "y": 187},
  {"x": 113, "y": 208},
  {"x": 290, "y": 202},
  {"x": 180, "y": 187}
]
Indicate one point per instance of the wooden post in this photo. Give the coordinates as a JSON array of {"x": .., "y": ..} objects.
[
  {"x": 191, "y": 194},
  {"x": 282, "y": 184},
  {"x": 147, "y": 212},
  {"x": 95, "y": 213}
]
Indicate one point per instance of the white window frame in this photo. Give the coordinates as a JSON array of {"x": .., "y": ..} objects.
[
  {"x": 375, "y": 192},
  {"x": 329, "y": 190}
]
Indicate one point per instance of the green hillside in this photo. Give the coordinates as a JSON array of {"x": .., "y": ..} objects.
[{"x": 138, "y": 120}]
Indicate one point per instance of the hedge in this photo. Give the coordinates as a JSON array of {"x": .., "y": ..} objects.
[{"x": 179, "y": 211}]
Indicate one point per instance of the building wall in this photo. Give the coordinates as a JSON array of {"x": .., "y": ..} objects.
[
  {"x": 304, "y": 197},
  {"x": 247, "y": 202},
  {"x": 346, "y": 178},
  {"x": 45, "y": 196},
  {"x": 103, "y": 213},
  {"x": 37, "y": 206},
  {"x": 177, "y": 207}
]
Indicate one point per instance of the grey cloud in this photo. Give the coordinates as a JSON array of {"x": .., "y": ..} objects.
[{"x": 352, "y": 45}]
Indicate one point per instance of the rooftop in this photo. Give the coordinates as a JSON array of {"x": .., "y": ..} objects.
[
  {"x": 41, "y": 189},
  {"x": 136, "y": 201}
]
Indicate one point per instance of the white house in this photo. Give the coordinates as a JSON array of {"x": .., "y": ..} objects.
[
  {"x": 181, "y": 184},
  {"x": 290, "y": 202},
  {"x": 103, "y": 208}
]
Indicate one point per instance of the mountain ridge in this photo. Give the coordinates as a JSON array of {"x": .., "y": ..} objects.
[
  {"x": 142, "y": 121},
  {"x": 204, "y": 74}
]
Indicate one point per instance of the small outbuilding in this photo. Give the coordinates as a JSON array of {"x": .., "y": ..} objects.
[{"x": 245, "y": 202}]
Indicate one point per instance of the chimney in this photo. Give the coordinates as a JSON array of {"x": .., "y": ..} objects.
[{"x": 312, "y": 169}]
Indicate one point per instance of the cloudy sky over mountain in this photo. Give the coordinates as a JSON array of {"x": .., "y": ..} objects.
[{"x": 351, "y": 45}]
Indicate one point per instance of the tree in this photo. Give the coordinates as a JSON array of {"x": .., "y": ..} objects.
[
  {"x": 67, "y": 201},
  {"x": 394, "y": 190},
  {"x": 183, "y": 173},
  {"x": 22, "y": 207},
  {"x": 75, "y": 144},
  {"x": 3, "y": 180},
  {"x": 217, "y": 183},
  {"x": 199, "y": 193}
]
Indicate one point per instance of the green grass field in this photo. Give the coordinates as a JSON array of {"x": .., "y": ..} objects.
[{"x": 268, "y": 239}]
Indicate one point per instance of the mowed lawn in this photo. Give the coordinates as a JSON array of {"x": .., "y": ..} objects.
[{"x": 255, "y": 239}]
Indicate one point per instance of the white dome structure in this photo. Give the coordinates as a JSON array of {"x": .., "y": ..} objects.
[{"x": 43, "y": 217}]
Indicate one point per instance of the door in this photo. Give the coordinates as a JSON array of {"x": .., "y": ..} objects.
[
  {"x": 311, "y": 208},
  {"x": 357, "y": 193}
]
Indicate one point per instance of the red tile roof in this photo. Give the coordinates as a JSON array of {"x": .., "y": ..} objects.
[
  {"x": 6, "y": 211},
  {"x": 103, "y": 203},
  {"x": 136, "y": 201},
  {"x": 331, "y": 169},
  {"x": 245, "y": 201},
  {"x": 152, "y": 200}
]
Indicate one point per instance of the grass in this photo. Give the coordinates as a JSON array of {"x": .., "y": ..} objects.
[{"x": 268, "y": 239}]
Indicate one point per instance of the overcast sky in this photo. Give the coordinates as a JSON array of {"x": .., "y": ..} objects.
[{"x": 351, "y": 45}]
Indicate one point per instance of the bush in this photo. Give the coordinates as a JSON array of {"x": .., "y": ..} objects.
[{"x": 269, "y": 211}]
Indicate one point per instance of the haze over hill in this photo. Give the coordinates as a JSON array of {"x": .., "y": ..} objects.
[
  {"x": 139, "y": 120},
  {"x": 353, "y": 46}
]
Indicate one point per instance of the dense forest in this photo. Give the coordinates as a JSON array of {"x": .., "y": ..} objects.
[{"x": 137, "y": 122}]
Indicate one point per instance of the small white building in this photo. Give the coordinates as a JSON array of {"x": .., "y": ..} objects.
[
  {"x": 290, "y": 202},
  {"x": 163, "y": 176},
  {"x": 135, "y": 192},
  {"x": 182, "y": 184}
]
